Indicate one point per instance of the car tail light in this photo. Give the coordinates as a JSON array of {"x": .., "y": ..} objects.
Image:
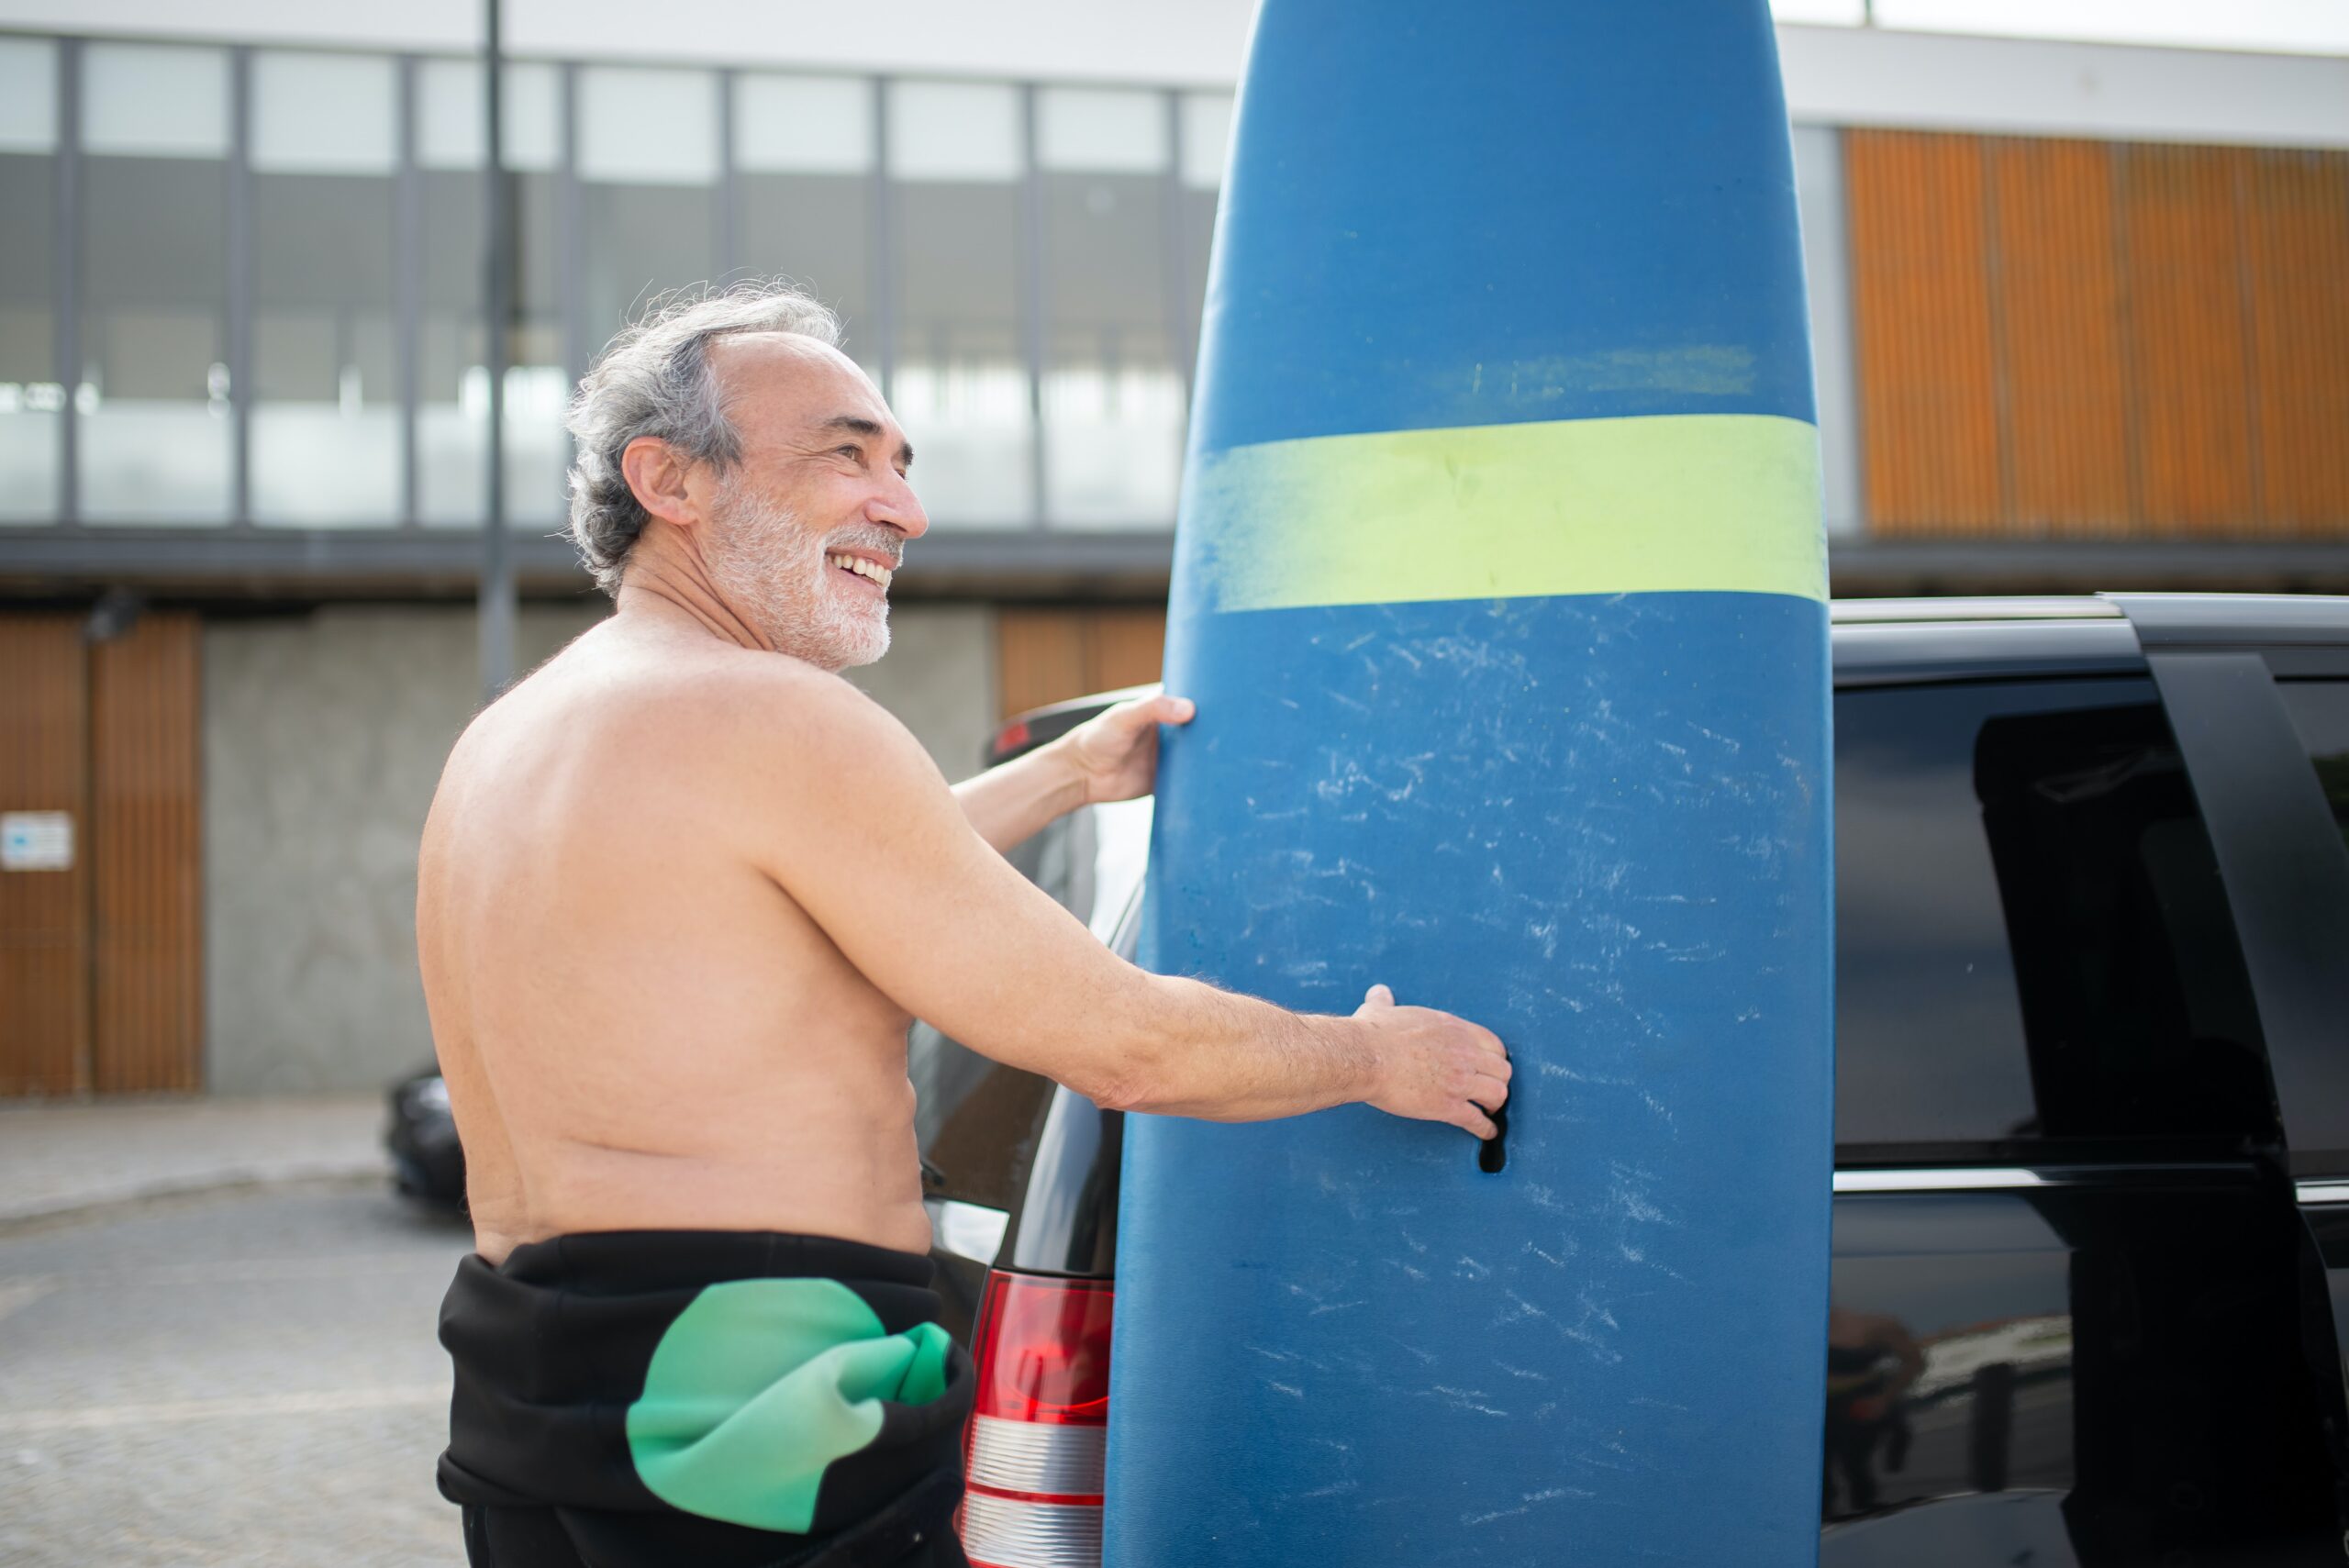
[{"x": 1040, "y": 1425}]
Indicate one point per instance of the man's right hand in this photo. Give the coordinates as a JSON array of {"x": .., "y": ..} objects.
[{"x": 1433, "y": 1066}]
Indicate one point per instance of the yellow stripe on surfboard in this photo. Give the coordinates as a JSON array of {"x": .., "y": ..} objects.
[{"x": 1666, "y": 503}]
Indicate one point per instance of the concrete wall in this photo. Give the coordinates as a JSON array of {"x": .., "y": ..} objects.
[
  {"x": 323, "y": 738},
  {"x": 939, "y": 679}
]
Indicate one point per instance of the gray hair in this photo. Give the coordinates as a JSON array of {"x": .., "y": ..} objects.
[{"x": 655, "y": 379}]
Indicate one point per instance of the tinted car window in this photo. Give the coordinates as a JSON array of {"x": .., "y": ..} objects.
[
  {"x": 2320, "y": 711},
  {"x": 2032, "y": 946},
  {"x": 975, "y": 1118}
]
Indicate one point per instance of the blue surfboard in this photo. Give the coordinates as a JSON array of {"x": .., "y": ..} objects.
[{"x": 1500, "y": 583}]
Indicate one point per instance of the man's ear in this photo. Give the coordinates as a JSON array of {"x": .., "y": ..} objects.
[{"x": 657, "y": 474}]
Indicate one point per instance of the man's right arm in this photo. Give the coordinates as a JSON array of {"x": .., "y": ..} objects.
[{"x": 861, "y": 830}]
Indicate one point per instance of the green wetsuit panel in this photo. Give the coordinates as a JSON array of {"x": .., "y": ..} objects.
[{"x": 760, "y": 1385}]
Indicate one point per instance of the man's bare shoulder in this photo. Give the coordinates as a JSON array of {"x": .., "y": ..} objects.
[
  {"x": 760, "y": 720},
  {"x": 752, "y": 748},
  {"x": 613, "y": 687},
  {"x": 771, "y": 711}
]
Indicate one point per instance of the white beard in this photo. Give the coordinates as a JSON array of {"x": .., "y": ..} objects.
[{"x": 773, "y": 572}]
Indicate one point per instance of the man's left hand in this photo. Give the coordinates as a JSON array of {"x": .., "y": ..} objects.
[{"x": 1115, "y": 754}]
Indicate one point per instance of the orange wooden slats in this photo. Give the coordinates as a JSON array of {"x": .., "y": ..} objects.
[
  {"x": 2297, "y": 236},
  {"x": 1921, "y": 311},
  {"x": 1050, "y": 655},
  {"x": 2064, "y": 429},
  {"x": 44, "y": 915},
  {"x": 1129, "y": 647},
  {"x": 1039, "y": 658},
  {"x": 2134, "y": 339},
  {"x": 147, "y": 855},
  {"x": 2188, "y": 339}
]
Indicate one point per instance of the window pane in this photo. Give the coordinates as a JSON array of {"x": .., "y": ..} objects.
[
  {"x": 141, "y": 101},
  {"x": 452, "y": 359},
  {"x": 648, "y": 169},
  {"x": 955, "y": 131},
  {"x": 30, "y": 394},
  {"x": 1207, "y": 134},
  {"x": 1207, "y": 138},
  {"x": 647, "y": 128},
  {"x": 326, "y": 382},
  {"x": 1112, "y": 393},
  {"x": 324, "y": 114},
  {"x": 1101, "y": 131},
  {"x": 153, "y": 392},
  {"x": 802, "y": 124},
  {"x": 2320, "y": 711},
  {"x": 803, "y": 159},
  {"x": 961, "y": 387},
  {"x": 28, "y": 95},
  {"x": 449, "y": 117},
  {"x": 2032, "y": 944}
]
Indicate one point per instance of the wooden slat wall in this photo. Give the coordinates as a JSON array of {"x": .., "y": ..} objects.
[
  {"x": 2058, "y": 286},
  {"x": 1129, "y": 647},
  {"x": 1039, "y": 658},
  {"x": 1050, "y": 655},
  {"x": 2088, "y": 340},
  {"x": 2188, "y": 336},
  {"x": 146, "y": 824},
  {"x": 1921, "y": 295},
  {"x": 2297, "y": 232},
  {"x": 44, "y": 915}
]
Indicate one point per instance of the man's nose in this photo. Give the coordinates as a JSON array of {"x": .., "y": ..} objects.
[{"x": 899, "y": 507}]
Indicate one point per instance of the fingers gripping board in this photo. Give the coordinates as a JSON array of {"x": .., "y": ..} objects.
[{"x": 1500, "y": 584}]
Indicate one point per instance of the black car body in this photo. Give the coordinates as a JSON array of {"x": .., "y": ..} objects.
[
  {"x": 2091, "y": 1212},
  {"x": 2091, "y": 1208},
  {"x": 428, "y": 1164}
]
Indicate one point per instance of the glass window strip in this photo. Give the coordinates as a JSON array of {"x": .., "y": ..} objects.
[
  {"x": 155, "y": 101},
  {"x": 29, "y": 105}
]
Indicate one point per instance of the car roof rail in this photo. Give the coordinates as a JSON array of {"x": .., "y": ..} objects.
[
  {"x": 1896, "y": 612},
  {"x": 2207, "y": 621}
]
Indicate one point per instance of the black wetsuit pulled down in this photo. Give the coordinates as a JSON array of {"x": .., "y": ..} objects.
[{"x": 644, "y": 1398}]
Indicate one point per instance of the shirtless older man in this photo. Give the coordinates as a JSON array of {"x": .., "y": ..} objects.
[{"x": 681, "y": 892}]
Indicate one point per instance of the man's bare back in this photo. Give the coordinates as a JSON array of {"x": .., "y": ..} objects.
[
  {"x": 681, "y": 891},
  {"x": 677, "y": 1044}
]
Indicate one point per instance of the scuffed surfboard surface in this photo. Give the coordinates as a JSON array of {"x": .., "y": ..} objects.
[{"x": 1500, "y": 584}]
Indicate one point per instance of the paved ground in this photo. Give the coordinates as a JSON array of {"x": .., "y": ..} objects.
[
  {"x": 66, "y": 1158},
  {"x": 249, "y": 1378}
]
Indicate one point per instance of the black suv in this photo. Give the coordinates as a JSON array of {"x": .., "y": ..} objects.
[{"x": 2091, "y": 1236}]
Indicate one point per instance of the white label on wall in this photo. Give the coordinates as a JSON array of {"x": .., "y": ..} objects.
[{"x": 36, "y": 840}]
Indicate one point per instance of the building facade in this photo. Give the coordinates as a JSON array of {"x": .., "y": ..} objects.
[{"x": 2080, "y": 316}]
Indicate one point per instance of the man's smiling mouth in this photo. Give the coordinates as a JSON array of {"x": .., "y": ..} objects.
[{"x": 861, "y": 567}]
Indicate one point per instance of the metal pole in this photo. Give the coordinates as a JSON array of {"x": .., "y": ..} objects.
[
  {"x": 407, "y": 290},
  {"x": 496, "y": 611},
  {"x": 1031, "y": 307},
  {"x": 67, "y": 258},
  {"x": 240, "y": 257}
]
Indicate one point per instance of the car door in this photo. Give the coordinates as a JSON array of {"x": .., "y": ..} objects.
[
  {"x": 2065, "y": 1325},
  {"x": 2257, "y": 687}
]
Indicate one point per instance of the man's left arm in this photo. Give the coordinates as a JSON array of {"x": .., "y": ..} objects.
[{"x": 1112, "y": 756}]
